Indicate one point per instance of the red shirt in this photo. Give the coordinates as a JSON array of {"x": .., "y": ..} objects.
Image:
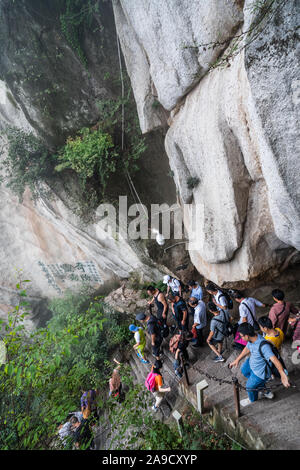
[{"x": 279, "y": 315}]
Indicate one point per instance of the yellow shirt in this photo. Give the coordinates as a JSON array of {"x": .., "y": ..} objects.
[{"x": 276, "y": 340}]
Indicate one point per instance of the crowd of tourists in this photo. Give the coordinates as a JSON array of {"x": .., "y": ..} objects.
[{"x": 182, "y": 319}]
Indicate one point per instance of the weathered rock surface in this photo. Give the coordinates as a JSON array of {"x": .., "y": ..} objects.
[
  {"x": 56, "y": 89},
  {"x": 56, "y": 251},
  {"x": 232, "y": 142},
  {"x": 272, "y": 65},
  {"x": 158, "y": 40}
]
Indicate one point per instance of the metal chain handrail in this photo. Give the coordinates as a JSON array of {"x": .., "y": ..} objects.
[{"x": 235, "y": 381}]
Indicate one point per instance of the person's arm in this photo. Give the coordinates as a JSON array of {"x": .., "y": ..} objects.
[
  {"x": 117, "y": 362},
  {"x": 272, "y": 316},
  {"x": 184, "y": 317},
  {"x": 162, "y": 299},
  {"x": 153, "y": 336},
  {"x": 163, "y": 390},
  {"x": 243, "y": 354},
  {"x": 137, "y": 339},
  {"x": 293, "y": 309},
  {"x": 283, "y": 376},
  {"x": 180, "y": 293},
  {"x": 151, "y": 301},
  {"x": 258, "y": 303}
]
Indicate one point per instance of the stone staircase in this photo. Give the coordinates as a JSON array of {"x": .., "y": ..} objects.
[{"x": 266, "y": 424}]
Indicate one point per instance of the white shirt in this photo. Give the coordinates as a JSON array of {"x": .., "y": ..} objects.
[
  {"x": 174, "y": 285},
  {"x": 200, "y": 315},
  {"x": 221, "y": 300},
  {"x": 244, "y": 312}
]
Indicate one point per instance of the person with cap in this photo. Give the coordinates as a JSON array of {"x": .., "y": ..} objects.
[
  {"x": 140, "y": 339},
  {"x": 173, "y": 285},
  {"x": 154, "y": 331}
]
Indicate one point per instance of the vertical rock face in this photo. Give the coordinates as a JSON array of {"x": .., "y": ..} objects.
[
  {"x": 154, "y": 36},
  {"x": 45, "y": 88},
  {"x": 232, "y": 141},
  {"x": 272, "y": 65},
  {"x": 56, "y": 88}
]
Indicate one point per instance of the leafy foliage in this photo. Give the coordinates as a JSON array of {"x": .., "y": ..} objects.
[
  {"x": 47, "y": 369},
  {"x": 75, "y": 16},
  {"x": 28, "y": 162},
  {"x": 91, "y": 154},
  {"x": 133, "y": 426}
]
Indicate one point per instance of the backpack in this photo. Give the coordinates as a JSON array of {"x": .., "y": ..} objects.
[
  {"x": 157, "y": 328},
  {"x": 150, "y": 381},
  {"x": 228, "y": 330},
  {"x": 229, "y": 300},
  {"x": 173, "y": 344},
  {"x": 164, "y": 329},
  {"x": 271, "y": 366}
]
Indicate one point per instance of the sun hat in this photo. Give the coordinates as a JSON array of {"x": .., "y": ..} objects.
[
  {"x": 133, "y": 328},
  {"x": 140, "y": 316}
]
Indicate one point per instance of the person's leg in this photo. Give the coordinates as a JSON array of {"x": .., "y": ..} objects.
[
  {"x": 245, "y": 369},
  {"x": 199, "y": 336},
  {"x": 158, "y": 398},
  {"x": 253, "y": 384},
  {"x": 213, "y": 348}
]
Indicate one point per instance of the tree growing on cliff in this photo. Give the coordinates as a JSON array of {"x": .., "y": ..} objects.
[{"x": 26, "y": 162}]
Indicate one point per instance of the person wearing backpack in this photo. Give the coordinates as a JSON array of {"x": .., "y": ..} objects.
[
  {"x": 263, "y": 362},
  {"x": 154, "y": 383},
  {"x": 181, "y": 354},
  {"x": 173, "y": 284},
  {"x": 217, "y": 331},
  {"x": 281, "y": 310},
  {"x": 140, "y": 342},
  {"x": 154, "y": 331},
  {"x": 247, "y": 309},
  {"x": 220, "y": 299},
  {"x": 179, "y": 311}
]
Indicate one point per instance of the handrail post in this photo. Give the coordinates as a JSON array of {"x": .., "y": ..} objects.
[
  {"x": 184, "y": 370},
  {"x": 236, "y": 394}
]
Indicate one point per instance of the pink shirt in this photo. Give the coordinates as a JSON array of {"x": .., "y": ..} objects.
[{"x": 279, "y": 315}]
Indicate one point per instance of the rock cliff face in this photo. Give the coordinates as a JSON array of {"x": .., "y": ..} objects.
[
  {"x": 231, "y": 137},
  {"x": 46, "y": 89},
  {"x": 233, "y": 131}
]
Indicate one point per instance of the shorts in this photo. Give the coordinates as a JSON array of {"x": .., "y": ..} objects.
[{"x": 214, "y": 341}]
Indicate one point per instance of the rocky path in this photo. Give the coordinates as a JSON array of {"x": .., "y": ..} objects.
[{"x": 266, "y": 424}]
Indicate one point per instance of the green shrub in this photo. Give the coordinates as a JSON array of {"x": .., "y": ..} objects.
[
  {"x": 28, "y": 163},
  {"x": 91, "y": 154}
]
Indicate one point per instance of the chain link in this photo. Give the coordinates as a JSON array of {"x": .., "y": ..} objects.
[{"x": 235, "y": 381}]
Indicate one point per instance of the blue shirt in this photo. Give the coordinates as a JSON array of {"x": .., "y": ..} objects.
[
  {"x": 197, "y": 293},
  {"x": 256, "y": 361}
]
